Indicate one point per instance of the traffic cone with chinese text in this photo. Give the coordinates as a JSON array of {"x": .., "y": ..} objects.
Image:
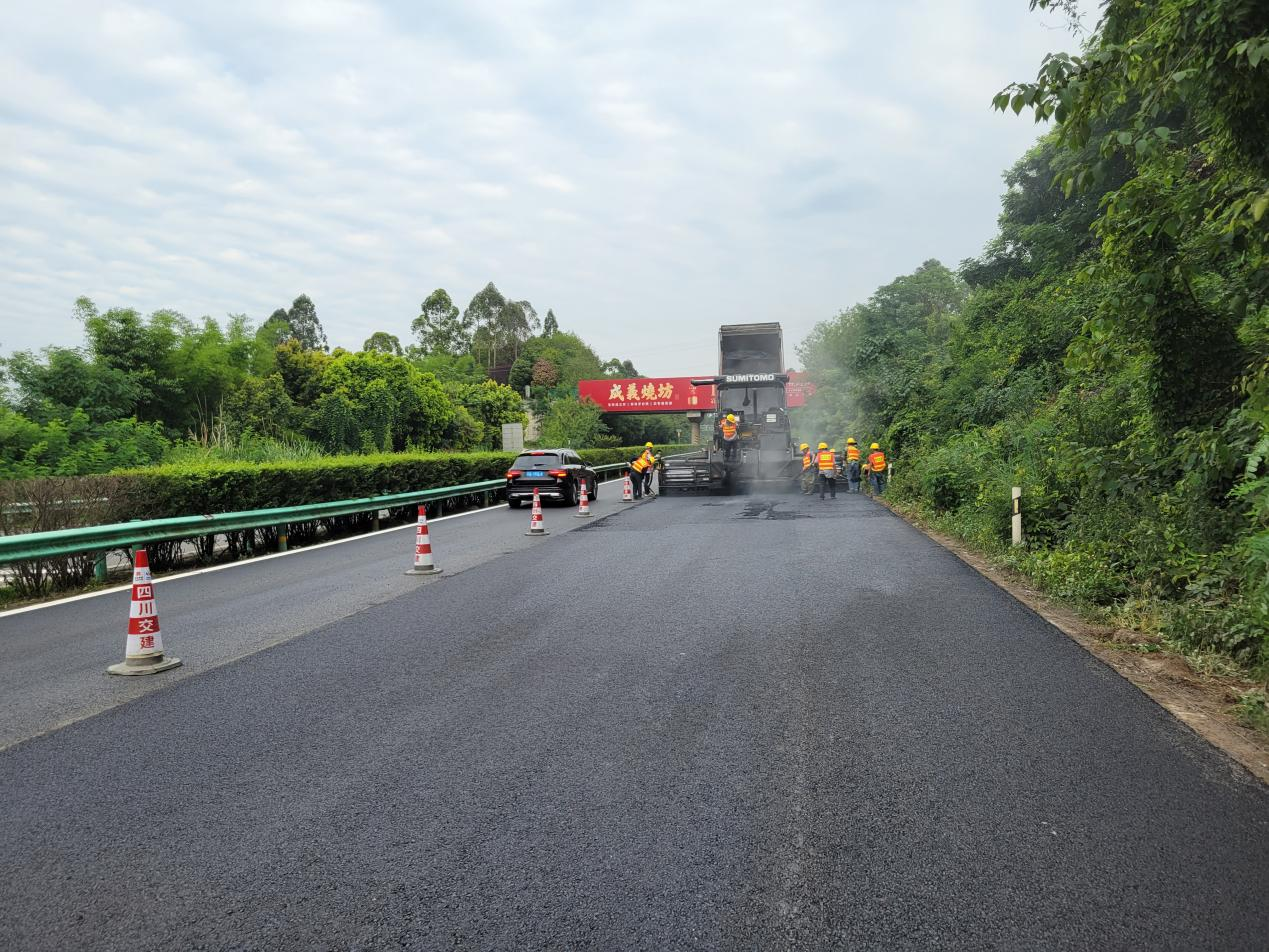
[
  {"x": 144, "y": 651},
  {"x": 536, "y": 528},
  {"x": 423, "y": 564},
  {"x": 583, "y": 507},
  {"x": 627, "y": 491}
]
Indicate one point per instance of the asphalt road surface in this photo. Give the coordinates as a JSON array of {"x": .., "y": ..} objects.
[{"x": 731, "y": 723}]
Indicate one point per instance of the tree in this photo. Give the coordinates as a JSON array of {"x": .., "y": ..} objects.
[
  {"x": 545, "y": 373},
  {"x": 550, "y": 325},
  {"x": 260, "y": 405},
  {"x": 390, "y": 403},
  {"x": 876, "y": 358},
  {"x": 1176, "y": 89},
  {"x": 569, "y": 355},
  {"x": 383, "y": 343},
  {"x": 571, "y": 422},
  {"x": 622, "y": 369},
  {"x": 489, "y": 405},
  {"x": 499, "y": 327},
  {"x": 301, "y": 371},
  {"x": 305, "y": 327},
  {"x": 439, "y": 329}
]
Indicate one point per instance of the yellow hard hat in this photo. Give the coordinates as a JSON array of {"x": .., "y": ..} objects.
[
  {"x": 850, "y": 439},
  {"x": 805, "y": 446},
  {"x": 823, "y": 446},
  {"x": 731, "y": 418},
  {"x": 648, "y": 445},
  {"x": 874, "y": 447}
]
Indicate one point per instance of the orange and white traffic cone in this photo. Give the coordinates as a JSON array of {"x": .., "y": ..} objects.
[
  {"x": 583, "y": 507},
  {"x": 536, "y": 528},
  {"x": 144, "y": 651},
  {"x": 423, "y": 564},
  {"x": 627, "y": 491}
]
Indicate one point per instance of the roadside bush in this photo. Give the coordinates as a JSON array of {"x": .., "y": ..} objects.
[
  {"x": 1080, "y": 572},
  {"x": 195, "y": 488},
  {"x": 209, "y": 487}
]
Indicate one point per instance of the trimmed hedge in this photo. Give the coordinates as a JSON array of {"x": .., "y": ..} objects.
[
  {"x": 173, "y": 490},
  {"x": 179, "y": 489}
]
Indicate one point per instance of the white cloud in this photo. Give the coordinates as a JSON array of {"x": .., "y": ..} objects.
[{"x": 648, "y": 171}]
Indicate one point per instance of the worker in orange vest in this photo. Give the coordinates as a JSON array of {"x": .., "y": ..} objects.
[
  {"x": 731, "y": 435},
  {"x": 877, "y": 469},
  {"x": 808, "y": 469},
  {"x": 826, "y": 463},
  {"x": 853, "y": 464},
  {"x": 646, "y": 463}
]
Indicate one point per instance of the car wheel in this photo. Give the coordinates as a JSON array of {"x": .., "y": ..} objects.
[
  {"x": 594, "y": 489},
  {"x": 571, "y": 495},
  {"x": 514, "y": 503}
]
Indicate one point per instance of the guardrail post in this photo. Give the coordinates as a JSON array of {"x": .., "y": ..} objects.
[
  {"x": 1017, "y": 515},
  {"x": 374, "y": 522},
  {"x": 282, "y": 537},
  {"x": 99, "y": 567}
]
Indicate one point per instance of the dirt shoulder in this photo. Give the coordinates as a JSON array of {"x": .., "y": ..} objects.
[{"x": 1204, "y": 702}]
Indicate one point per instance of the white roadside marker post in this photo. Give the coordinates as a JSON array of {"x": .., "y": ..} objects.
[{"x": 1017, "y": 515}]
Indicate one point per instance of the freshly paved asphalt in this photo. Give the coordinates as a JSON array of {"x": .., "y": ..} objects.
[
  {"x": 696, "y": 724},
  {"x": 53, "y": 659}
]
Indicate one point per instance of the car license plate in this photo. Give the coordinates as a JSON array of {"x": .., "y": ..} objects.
[{"x": 535, "y": 473}]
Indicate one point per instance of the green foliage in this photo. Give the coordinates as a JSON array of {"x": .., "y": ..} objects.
[
  {"x": 203, "y": 486},
  {"x": 75, "y": 446},
  {"x": 438, "y": 329},
  {"x": 143, "y": 388},
  {"x": 1111, "y": 354},
  {"x": 499, "y": 327},
  {"x": 306, "y": 329},
  {"x": 384, "y": 343},
  {"x": 571, "y": 422},
  {"x": 487, "y": 405},
  {"x": 553, "y": 364},
  {"x": 249, "y": 447}
]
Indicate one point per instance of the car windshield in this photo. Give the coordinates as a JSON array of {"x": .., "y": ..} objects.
[{"x": 544, "y": 461}]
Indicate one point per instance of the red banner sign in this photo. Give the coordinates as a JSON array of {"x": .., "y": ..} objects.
[
  {"x": 647, "y": 395},
  {"x": 672, "y": 394},
  {"x": 799, "y": 389}
]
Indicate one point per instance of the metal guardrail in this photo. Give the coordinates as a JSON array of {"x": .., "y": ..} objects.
[{"x": 100, "y": 539}]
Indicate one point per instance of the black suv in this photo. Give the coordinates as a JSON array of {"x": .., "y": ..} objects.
[{"x": 555, "y": 474}]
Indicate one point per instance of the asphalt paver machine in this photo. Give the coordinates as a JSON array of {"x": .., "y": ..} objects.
[{"x": 751, "y": 385}]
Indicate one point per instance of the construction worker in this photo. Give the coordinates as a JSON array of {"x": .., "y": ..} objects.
[
  {"x": 731, "y": 435},
  {"x": 642, "y": 470},
  {"x": 854, "y": 466},
  {"x": 651, "y": 459},
  {"x": 808, "y": 469},
  {"x": 877, "y": 469},
  {"x": 826, "y": 464}
]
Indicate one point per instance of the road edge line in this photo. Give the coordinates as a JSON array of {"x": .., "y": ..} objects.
[{"x": 240, "y": 563}]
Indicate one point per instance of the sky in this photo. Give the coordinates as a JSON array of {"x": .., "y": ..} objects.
[{"x": 649, "y": 171}]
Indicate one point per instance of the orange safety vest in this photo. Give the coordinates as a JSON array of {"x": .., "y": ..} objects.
[
  {"x": 877, "y": 460},
  {"x": 827, "y": 461},
  {"x": 852, "y": 453},
  {"x": 644, "y": 461},
  {"x": 806, "y": 461},
  {"x": 729, "y": 430}
]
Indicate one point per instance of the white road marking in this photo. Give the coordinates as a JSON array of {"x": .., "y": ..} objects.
[{"x": 240, "y": 564}]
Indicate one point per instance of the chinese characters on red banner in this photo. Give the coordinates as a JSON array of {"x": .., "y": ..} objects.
[
  {"x": 647, "y": 395},
  {"x": 668, "y": 394}
]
